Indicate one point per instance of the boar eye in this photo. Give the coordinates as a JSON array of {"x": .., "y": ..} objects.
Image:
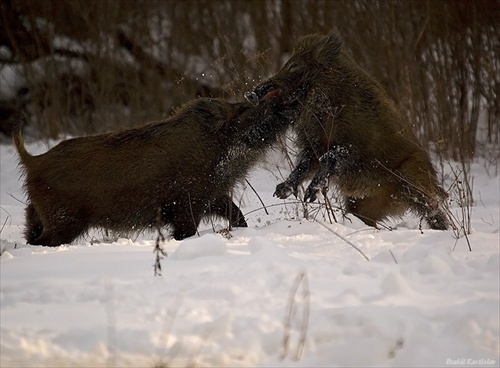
[{"x": 293, "y": 67}]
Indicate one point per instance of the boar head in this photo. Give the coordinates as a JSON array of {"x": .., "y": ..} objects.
[{"x": 313, "y": 56}]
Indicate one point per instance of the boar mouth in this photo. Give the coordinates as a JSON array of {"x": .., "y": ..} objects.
[
  {"x": 262, "y": 93},
  {"x": 271, "y": 94}
]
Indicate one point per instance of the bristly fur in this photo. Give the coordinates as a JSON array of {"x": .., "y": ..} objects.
[
  {"x": 350, "y": 132},
  {"x": 184, "y": 168}
]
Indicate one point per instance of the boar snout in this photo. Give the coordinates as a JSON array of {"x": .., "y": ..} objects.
[{"x": 252, "y": 98}]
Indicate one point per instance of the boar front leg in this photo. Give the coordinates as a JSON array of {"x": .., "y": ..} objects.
[
  {"x": 226, "y": 208},
  {"x": 303, "y": 168},
  {"x": 329, "y": 164}
]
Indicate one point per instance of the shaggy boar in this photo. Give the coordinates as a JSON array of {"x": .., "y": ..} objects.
[
  {"x": 175, "y": 172},
  {"x": 349, "y": 131}
]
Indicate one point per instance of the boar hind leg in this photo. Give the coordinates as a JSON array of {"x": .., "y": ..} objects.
[
  {"x": 437, "y": 220},
  {"x": 61, "y": 232},
  {"x": 373, "y": 209},
  {"x": 59, "y": 227},
  {"x": 226, "y": 208},
  {"x": 430, "y": 211},
  {"x": 34, "y": 226},
  {"x": 426, "y": 201}
]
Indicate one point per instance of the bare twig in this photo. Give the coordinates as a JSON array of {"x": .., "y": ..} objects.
[
  {"x": 6, "y": 219},
  {"x": 192, "y": 215},
  {"x": 258, "y": 196},
  {"x": 328, "y": 204},
  {"x": 272, "y": 205},
  {"x": 461, "y": 189},
  {"x": 344, "y": 239},
  {"x": 10, "y": 195},
  {"x": 158, "y": 250}
]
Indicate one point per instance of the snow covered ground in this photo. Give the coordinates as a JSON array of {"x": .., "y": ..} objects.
[{"x": 423, "y": 299}]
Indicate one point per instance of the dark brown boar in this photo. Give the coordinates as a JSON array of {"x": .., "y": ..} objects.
[
  {"x": 180, "y": 170},
  {"x": 350, "y": 131}
]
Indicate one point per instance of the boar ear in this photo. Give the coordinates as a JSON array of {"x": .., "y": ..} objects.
[{"x": 328, "y": 49}]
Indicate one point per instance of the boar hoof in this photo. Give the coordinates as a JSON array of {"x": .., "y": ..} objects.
[
  {"x": 284, "y": 190},
  {"x": 438, "y": 221},
  {"x": 311, "y": 194}
]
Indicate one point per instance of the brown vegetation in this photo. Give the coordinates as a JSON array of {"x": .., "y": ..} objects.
[{"x": 87, "y": 66}]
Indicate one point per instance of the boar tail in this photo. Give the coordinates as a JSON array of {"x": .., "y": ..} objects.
[{"x": 19, "y": 142}]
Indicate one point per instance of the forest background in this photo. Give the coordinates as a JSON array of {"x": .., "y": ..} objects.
[{"x": 86, "y": 66}]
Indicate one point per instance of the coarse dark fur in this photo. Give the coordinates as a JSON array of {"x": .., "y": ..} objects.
[
  {"x": 175, "y": 171},
  {"x": 350, "y": 131}
]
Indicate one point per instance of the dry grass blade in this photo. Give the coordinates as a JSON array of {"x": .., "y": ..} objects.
[
  {"x": 111, "y": 325},
  {"x": 462, "y": 189},
  {"x": 174, "y": 351},
  {"x": 291, "y": 313}
]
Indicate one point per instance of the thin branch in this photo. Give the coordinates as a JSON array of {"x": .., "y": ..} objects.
[
  {"x": 258, "y": 196},
  {"x": 6, "y": 219},
  {"x": 158, "y": 250},
  {"x": 344, "y": 239},
  {"x": 10, "y": 195},
  {"x": 272, "y": 205}
]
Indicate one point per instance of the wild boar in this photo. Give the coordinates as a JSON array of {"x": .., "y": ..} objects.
[
  {"x": 176, "y": 171},
  {"x": 350, "y": 132}
]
